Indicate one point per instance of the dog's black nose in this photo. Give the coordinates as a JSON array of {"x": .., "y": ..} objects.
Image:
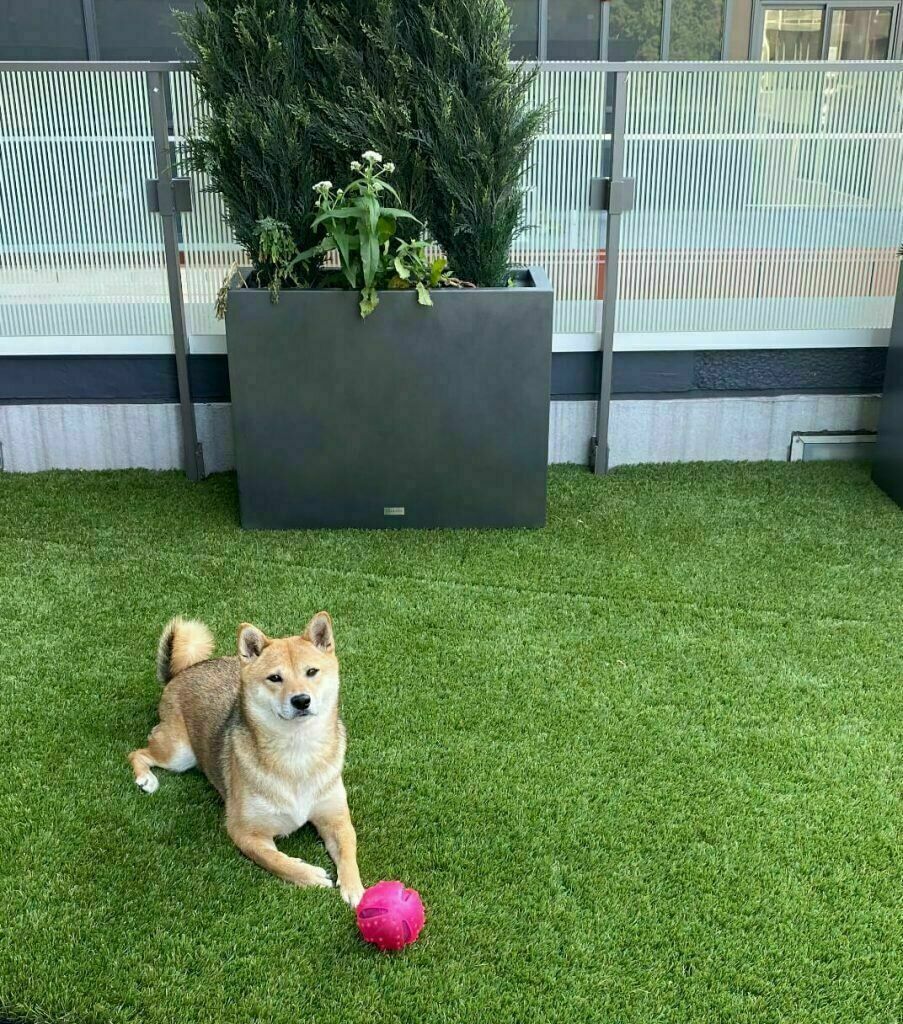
[{"x": 301, "y": 701}]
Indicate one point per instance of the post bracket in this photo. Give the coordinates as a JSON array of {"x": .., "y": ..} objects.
[
  {"x": 177, "y": 199},
  {"x": 616, "y": 195}
]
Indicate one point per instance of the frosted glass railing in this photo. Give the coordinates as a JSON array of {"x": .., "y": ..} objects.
[
  {"x": 207, "y": 248},
  {"x": 561, "y": 234},
  {"x": 765, "y": 201},
  {"x": 79, "y": 252}
]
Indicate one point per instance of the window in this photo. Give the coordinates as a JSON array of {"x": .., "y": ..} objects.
[
  {"x": 829, "y": 31},
  {"x": 794, "y": 34},
  {"x": 617, "y": 30},
  {"x": 43, "y": 30},
  {"x": 859, "y": 33},
  {"x": 697, "y": 27},
  {"x": 635, "y": 30},
  {"x": 575, "y": 30},
  {"x": 140, "y": 29},
  {"x": 524, "y": 29}
]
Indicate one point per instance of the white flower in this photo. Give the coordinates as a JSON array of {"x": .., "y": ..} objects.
[
  {"x": 389, "y": 167},
  {"x": 322, "y": 186},
  {"x": 371, "y": 156},
  {"x": 356, "y": 165}
]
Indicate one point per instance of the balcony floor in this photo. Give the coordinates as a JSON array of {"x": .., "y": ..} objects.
[{"x": 640, "y": 764}]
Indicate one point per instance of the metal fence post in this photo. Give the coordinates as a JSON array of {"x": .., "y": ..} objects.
[
  {"x": 616, "y": 205},
  {"x": 90, "y": 17},
  {"x": 542, "y": 38},
  {"x": 726, "y": 26},
  {"x": 604, "y": 31},
  {"x": 157, "y": 91},
  {"x": 666, "y": 29}
]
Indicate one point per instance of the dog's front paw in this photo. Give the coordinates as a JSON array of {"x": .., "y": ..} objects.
[
  {"x": 308, "y": 874},
  {"x": 352, "y": 892},
  {"x": 147, "y": 782}
]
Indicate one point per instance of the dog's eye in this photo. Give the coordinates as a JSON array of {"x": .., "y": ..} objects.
[
  {"x": 275, "y": 678},
  {"x": 311, "y": 672}
]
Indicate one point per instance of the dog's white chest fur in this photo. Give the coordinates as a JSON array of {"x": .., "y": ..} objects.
[
  {"x": 282, "y": 811},
  {"x": 285, "y": 802}
]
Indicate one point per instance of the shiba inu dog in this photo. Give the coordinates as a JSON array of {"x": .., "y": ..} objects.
[{"x": 264, "y": 728}]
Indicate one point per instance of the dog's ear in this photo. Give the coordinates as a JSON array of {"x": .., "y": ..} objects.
[
  {"x": 251, "y": 642},
  {"x": 319, "y": 632}
]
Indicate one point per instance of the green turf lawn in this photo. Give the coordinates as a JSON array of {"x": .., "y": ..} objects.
[{"x": 644, "y": 765}]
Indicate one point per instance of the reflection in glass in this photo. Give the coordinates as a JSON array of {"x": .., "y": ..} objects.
[
  {"x": 635, "y": 30},
  {"x": 859, "y": 33},
  {"x": 792, "y": 34},
  {"x": 524, "y": 29},
  {"x": 575, "y": 28},
  {"x": 139, "y": 30},
  {"x": 696, "y": 27}
]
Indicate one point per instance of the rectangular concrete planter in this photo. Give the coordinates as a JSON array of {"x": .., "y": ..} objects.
[
  {"x": 416, "y": 416},
  {"x": 887, "y": 469}
]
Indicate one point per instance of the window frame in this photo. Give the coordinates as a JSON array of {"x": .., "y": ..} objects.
[
  {"x": 542, "y": 28},
  {"x": 828, "y": 7}
]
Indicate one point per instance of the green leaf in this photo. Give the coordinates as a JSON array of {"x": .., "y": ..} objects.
[
  {"x": 388, "y": 188},
  {"x": 366, "y": 262},
  {"x": 436, "y": 268},
  {"x": 423, "y": 296},
  {"x": 350, "y": 272},
  {"x": 390, "y": 211},
  {"x": 314, "y": 250},
  {"x": 369, "y": 301},
  {"x": 401, "y": 269},
  {"x": 385, "y": 229},
  {"x": 341, "y": 240},
  {"x": 372, "y": 208},
  {"x": 343, "y": 214},
  {"x": 374, "y": 255},
  {"x": 369, "y": 254}
]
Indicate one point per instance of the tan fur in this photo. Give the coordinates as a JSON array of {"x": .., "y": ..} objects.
[
  {"x": 185, "y": 642},
  {"x": 276, "y": 765}
]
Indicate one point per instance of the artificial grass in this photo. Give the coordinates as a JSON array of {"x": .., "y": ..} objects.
[{"x": 643, "y": 765}]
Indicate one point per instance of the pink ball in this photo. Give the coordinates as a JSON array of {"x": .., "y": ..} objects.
[{"x": 390, "y": 916}]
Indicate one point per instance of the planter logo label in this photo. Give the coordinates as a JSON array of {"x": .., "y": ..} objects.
[{"x": 393, "y": 510}]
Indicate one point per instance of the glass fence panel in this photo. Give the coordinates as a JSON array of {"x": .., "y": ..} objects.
[
  {"x": 765, "y": 201},
  {"x": 561, "y": 234},
  {"x": 80, "y": 254},
  {"x": 207, "y": 247}
]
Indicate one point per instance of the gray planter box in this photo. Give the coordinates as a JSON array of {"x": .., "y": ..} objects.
[
  {"x": 887, "y": 469},
  {"x": 418, "y": 417}
]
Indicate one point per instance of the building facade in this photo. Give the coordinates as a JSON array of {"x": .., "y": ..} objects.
[
  {"x": 616, "y": 30},
  {"x": 757, "y": 269},
  {"x": 621, "y": 30}
]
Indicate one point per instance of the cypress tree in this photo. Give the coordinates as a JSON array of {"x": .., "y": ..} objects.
[
  {"x": 473, "y": 125},
  {"x": 258, "y": 143},
  {"x": 296, "y": 89},
  {"x": 363, "y": 95}
]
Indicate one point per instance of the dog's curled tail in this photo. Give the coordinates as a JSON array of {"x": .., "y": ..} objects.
[{"x": 184, "y": 643}]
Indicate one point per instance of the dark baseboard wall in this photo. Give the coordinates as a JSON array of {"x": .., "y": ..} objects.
[
  {"x": 575, "y": 375},
  {"x": 110, "y": 379}
]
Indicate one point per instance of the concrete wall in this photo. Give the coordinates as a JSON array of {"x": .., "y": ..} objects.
[{"x": 120, "y": 436}]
